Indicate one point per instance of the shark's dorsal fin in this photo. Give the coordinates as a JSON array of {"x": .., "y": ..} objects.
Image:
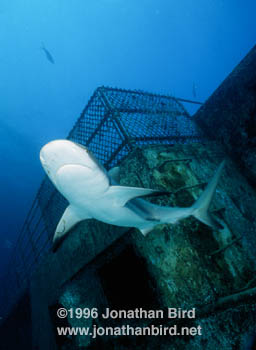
[
  {"x": 122, "y": 194},
  {"x": 114, "y": 174},
  {"x": 68, "y": 220}
]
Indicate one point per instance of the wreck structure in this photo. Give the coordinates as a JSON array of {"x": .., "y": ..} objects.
[
  {"x": 229, "y": 116},
  {"x": 157, "y": 145}
]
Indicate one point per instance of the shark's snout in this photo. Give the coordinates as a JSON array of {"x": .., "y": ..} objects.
[
  {"x": 54, "y": 151},
  {"x": 51, "y": 158},
  {"x": 42, "y": 157},
  {"x": 58, "y": 153}
]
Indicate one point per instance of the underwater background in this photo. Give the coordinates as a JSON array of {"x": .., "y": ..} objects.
[{"x": 185, "y": 48}]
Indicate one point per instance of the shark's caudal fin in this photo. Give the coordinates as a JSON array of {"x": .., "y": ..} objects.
[{"x": 200, "y": 207}]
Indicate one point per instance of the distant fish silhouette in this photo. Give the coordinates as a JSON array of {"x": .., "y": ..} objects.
[{"x": 48, "y": 55}]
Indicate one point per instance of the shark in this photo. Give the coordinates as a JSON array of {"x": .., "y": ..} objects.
[{"x": 92, "y": 192}]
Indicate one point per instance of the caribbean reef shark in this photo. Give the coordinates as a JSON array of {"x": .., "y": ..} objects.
[{"x": 92, "y": 192}]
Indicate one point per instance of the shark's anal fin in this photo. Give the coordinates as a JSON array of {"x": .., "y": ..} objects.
[
  {"x": 122, "y": 194},
  {"x": 68, "y": 220}
]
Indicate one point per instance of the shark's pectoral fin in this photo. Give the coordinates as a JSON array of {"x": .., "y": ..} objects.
[
  {"x": 122, "y": 194},
  {"x": 114, "y": 174},
  {"x": 68, "y": 220}
]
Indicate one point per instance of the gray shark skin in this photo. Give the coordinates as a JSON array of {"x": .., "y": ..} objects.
[{"x": 94, "y": 193}]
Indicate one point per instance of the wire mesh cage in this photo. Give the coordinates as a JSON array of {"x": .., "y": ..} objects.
[{"x": 112, "y": 124}]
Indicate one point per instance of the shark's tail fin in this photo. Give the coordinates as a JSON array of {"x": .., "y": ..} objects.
[{"x": 200, "y": 207}]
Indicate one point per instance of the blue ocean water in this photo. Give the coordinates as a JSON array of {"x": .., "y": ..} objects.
[{"x": 185, "y": 48}]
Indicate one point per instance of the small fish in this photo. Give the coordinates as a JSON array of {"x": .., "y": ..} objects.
[
  {"x": 93, "y": 192},
  {"x": 48, "y": 55}
]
